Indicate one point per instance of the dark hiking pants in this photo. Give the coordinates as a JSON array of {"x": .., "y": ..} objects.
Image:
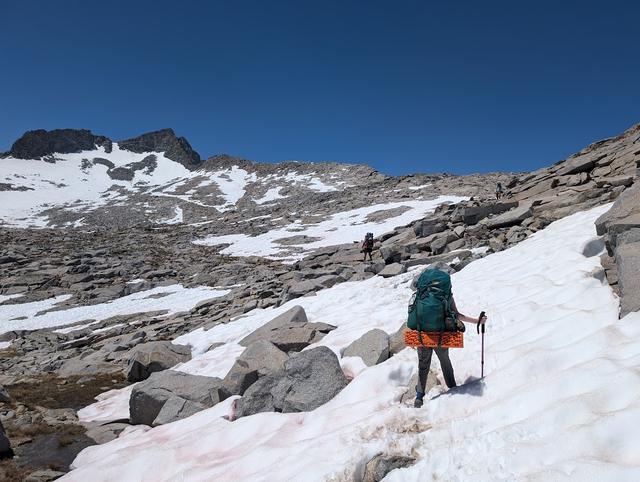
[
  {"x": 367, "y": 251},
  {"x": 424, "y": 362}
]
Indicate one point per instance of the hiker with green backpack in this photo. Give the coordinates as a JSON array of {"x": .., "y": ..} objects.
[{"x": 433, "y": 309}]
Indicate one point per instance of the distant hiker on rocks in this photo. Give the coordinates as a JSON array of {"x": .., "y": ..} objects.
[
  {"x": 499, "y": 190},
  {"x": 367, "y": 246},
  {"x": 432, "y": 309}
]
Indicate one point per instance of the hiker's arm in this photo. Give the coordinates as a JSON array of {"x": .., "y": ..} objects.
[{"x": 465, "y": 318}]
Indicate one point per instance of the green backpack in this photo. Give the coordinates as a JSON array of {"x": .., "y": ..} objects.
[{"x": 430, "y": 306}]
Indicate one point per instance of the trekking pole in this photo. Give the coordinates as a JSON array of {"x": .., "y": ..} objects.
[{"x": 482, "y": 342}]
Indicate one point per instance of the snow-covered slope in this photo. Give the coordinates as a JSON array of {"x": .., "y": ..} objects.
[
  {"x": 339, "y": 228},
  {"x": 79, "y": 183},
  {"x": 559, "y": 399},
  {"x": 46, "y": 314}
]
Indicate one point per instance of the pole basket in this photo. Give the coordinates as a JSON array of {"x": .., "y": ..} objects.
[{"x": 432, "y": 339}]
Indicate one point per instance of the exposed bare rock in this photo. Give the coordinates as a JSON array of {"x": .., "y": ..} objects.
[
  {"x": 154, "y": 356},
  {"x": 40, "y": 143}
]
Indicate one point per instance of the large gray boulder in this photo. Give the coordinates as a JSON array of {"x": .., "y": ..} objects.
[
  {"x": 577, "y": 165},
  {"x": 623, "y": 216},
  {"x": 372, "y": 347},
  {"x": 621, "y": 225},
  {"x": 101, "y": 434},
  {"x": 289, "y": 331},
  {"x": 392, "y": 253},
  {"x": 309, "y": 379},
  {"x": 393, "y": 269},
  {"x": 473, "y": 214},
  {"x": 261, "y": 358},
  {"x": 5, "y": 445},
  {"x": 177, "y": 408},
  {"x": 510, "y": 218},
  {"x": 154, "y": 356},
  {"x": 396, "y": 341},
  {"x": 439, "y": 244},
  {"x": 304, "y": 287},
  {"x": 149, "y": 397},
  {"x": 427, "y": 227},
  {"x": 88, "y": 364},
  {"x": 293, "y": 315},
  {"x": 628, "y": 263},
  {"x": 296, "y": 338}
]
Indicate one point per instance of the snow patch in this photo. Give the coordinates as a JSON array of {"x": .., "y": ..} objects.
[
  {"x": 339, "y": 228},
  {"x": 271, "y": 195},
  {"x": 33, "y": 316},
  {"x": 177, "y": 218},
  {"x": 232, "y": 182},
  {"x": 4, "y": 298}
]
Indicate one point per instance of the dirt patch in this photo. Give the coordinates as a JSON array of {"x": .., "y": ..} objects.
[
  {"x": 41, "y": 422},
  {"x": 50, "y": 391},
  {"x": 10, "y": 472}
]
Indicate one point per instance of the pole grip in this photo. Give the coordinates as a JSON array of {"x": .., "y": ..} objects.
[{"x": 478, "y": 324}]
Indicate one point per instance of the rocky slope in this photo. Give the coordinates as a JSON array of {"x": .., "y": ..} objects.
[{"x": 129, "y": 221}]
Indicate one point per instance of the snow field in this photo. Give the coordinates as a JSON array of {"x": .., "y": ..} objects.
[
  {"x": 35, "y": 315},
  {"x": 559, "y": 399},
  {"x": 232, "y": 182},
  {"x": 271, "y": 195},
  {"x": 66, "y": 183},
  {"x": 77, "y": 185},
  {"x": 339, "y": 228}
]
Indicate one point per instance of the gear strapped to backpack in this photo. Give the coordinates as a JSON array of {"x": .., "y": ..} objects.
[
  {"x": 430, "y": 307},
  {"x": 368, "y": 242}
]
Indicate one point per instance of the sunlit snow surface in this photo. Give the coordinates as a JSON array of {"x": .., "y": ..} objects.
[
  {"x": 339, "y": 228},
  {"x": 172, "y": 299},
  {"x": 78, "y": 184},
  {"x": 67, "y": 183},
  {"x": 560, "y": 399}
]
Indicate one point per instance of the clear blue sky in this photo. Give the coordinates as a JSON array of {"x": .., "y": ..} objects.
[{"x": 405, "y": 86}]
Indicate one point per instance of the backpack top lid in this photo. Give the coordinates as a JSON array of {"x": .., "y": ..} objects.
[{"x": 435, "y": 278}]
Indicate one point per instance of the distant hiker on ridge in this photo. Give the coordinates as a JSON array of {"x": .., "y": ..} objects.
[
  {"x": 367, "y": 246},
  {"x": 432, "y": 309},
  {"x": 499, "y": 190}
]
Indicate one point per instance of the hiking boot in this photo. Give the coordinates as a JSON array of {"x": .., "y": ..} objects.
[{"x": 417, "y": 403}]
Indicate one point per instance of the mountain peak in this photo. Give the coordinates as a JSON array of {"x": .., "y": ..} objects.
[
  {"x": 164, "y": 140},
  {"x": 39, "y": 143}
]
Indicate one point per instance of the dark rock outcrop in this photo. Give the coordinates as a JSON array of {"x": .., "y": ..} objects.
[
  {"x": 628, "y": 263},
  {"x": 261, "y": 358},
  {"x": 309, "y": 379},
  {"x": 5, "y": 446},
  {"x": 154, "y": 356},
  {"x": 187, "y": 394},
  {"x": 165, "y": 140},
  {"x": 372, "y": 347},
  {"x": 40, "y": 143},
  {"x": 289, "y": 331},
  {"x": 621, "y": 227}
]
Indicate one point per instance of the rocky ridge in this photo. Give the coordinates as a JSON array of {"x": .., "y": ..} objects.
[{"x": 97, "y": 264}]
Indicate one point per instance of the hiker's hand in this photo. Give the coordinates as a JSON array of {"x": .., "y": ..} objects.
[{"x": 482, "y": 320}]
